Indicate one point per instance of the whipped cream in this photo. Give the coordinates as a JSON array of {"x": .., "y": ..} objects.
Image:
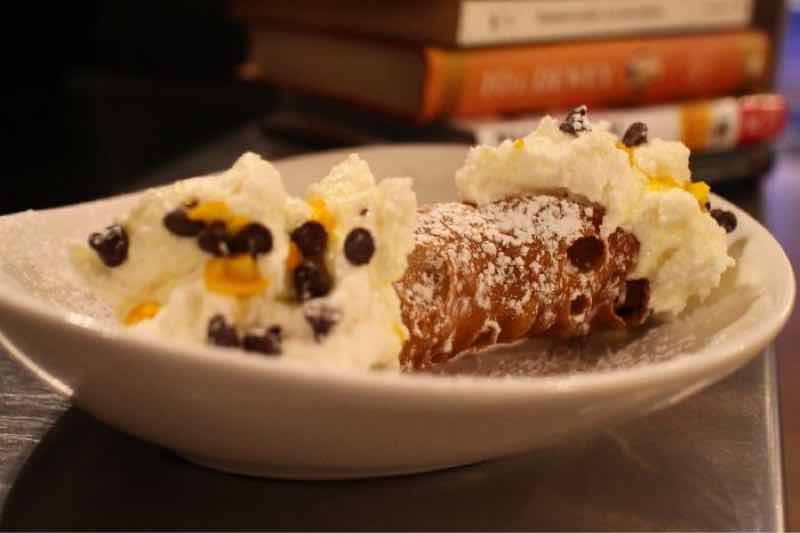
[
  {"x": 646, "y": 189},
  {"x": 169, "y": 285}
]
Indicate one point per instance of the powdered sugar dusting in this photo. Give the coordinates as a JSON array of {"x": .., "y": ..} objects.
[
  {"x": 35, "y": 259},
  {"x": 505, "y": 262},
  {"x": 615, "y": 350},
  {"x": 466, "y": 235}
]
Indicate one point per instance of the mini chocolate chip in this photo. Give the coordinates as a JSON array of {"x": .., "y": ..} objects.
[
  {"x": 707, "y": 205},
  {"x": 586, "y": 253},
  {"x": 214, "y": 238},
  {"x": 635, "y": 135},
  {"x": 253, "y": 239},
  {"x": 268, "y": 343},
  {"x": 178, "y": 222},
  {"x": 220, "y": 333},
  {"x": 359, "y": 246},
  {"x": 576, "y": 121},
  {"x": 311, "y": 280},
  {"x": 111, "y": 245},
  {"x": 364, "y": 212},
  {"x": 311, "y": 238},
  {"x": 567, "y": 128},
  {"x": 726, "y": 219},
  {"x": 322, "y": 319}
]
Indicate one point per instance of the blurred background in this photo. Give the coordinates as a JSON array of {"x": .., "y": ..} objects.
[{"x": 112, "y": 96}]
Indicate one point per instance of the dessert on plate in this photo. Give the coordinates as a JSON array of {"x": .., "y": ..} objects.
[
  {"x": 233, "y": 260},
  {"x": 560, "y": 233}
]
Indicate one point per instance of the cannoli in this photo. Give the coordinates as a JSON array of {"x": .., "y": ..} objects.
[
  {"x": 522, "y": 267},
  {"x": 568, "y": 230}
]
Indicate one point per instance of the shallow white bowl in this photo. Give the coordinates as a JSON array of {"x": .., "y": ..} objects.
[{"x": 241, "y": 412}]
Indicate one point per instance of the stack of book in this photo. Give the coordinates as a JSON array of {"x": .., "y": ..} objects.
[{"x": 485, "y": 70}]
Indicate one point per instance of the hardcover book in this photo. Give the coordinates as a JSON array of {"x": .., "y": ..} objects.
[
  {"x": 429, "y": 82},
  {"x": 462, "y": 23}
]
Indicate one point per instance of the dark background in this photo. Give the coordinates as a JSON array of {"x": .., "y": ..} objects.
[{"x": 98, "y": 92}]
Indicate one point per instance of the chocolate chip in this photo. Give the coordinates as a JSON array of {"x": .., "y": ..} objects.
[
  {"x": 359, "y": 246},
  {"x": 111, "y": 245},
  {"x": 311, "y": 280},
  {"x": 322, "y": 319},
  {"x": 220, "y": 333},
  {"x": 726, "y": 219},
  {"x": 587, "y": 253},
  {"x": 634, "y": 309},
  {"x": 178, "y": 222},
  {"x": 364, "y": 212},
  {"x": 252, "y": 239},
  {"x": 214, "y": 239},
  {"x": 268, "y": 343},
  {"x": 576, "y": 121},
  {"x": 635, "y": 135},
  {"x": 310, "y": 238}
]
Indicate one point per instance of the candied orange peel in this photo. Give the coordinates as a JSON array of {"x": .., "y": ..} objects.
[
  {"x": 294, "y": 257},
  {"x": 214, "y": 210},
  {"x": 237, "y": 275},
  {"x": 698, "y": 189},
  {"x": 629, "y": 151},
  {"x": 141, "y": 312},
  {"x": 320, "y": 213}
]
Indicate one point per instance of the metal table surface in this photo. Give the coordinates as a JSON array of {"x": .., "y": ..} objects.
[{"x": 712, "y": 462}]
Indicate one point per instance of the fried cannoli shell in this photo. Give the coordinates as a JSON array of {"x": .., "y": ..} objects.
[{"x": 522, "y": 267}]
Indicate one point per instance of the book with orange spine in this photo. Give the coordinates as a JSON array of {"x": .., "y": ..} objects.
[
  {"x": 429, "y": 82},
  {"x": 702, "y": 125}
]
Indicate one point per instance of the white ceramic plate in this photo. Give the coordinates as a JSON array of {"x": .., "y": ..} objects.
[{"x": 241, "y": 412}]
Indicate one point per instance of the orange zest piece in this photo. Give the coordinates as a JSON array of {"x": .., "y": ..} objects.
[
  {"x": 320, "y": 213},
  {"x": 698, "y": 189},
  {"x": 217, "y": 210},
  {"x": 209, "y": 211},
  {"x": 294, "y": 257},
  {"x": 662, "y": 183},
  {"x": 236, "y": 222},
  {"x": 234, "y": 276},
  {"x": 629, "y": 151},
  {"x": 141, "y": 312}
]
